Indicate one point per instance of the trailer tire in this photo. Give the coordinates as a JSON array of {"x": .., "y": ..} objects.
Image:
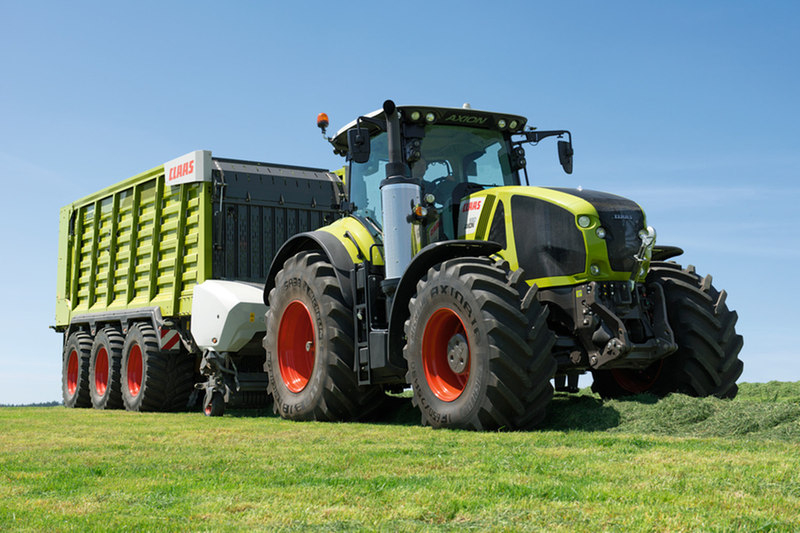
[
  {"x": 105, "y": 382},
  {"x": 475, "y": 360},
  {"x": 75, "y": 370},
  {"x": 707, "y": 360},
  {"x": 309, "y": 345},
  {"x": 215, "y": 405},
  {"x": 153, "y": 380}
]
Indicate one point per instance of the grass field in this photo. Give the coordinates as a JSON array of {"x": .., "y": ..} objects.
[{"x": 637, "y": 465}]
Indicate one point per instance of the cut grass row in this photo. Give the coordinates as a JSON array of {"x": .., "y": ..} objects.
[{"x": 641, "y": 465}]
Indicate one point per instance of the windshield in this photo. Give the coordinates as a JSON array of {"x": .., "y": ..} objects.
[
  {"x": 455, "y": 154},
  {"x": 455, "y": 161}
]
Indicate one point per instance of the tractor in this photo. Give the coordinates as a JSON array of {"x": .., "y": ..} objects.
[{"x": 450, "y": 274}]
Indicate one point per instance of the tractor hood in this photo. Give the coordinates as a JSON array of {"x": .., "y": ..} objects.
[{"x": 559, "y": 236}]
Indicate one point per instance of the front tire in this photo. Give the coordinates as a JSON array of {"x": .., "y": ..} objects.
[
  {"x": 310, "y": 347},
  {"x": 474, "y": 360},
  {"x": 707, "y": 360}
]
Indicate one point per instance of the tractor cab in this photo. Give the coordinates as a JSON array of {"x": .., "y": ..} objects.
[{"x": 449, "y": 152}]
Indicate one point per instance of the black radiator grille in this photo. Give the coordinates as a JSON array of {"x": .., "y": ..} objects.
[{"x": 548, "y": 242}]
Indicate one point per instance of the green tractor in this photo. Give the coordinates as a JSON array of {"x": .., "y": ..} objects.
[{"x": 448, "y": 273}]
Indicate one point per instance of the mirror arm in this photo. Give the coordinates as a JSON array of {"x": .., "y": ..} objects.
[{"x": 536, "y": 136}]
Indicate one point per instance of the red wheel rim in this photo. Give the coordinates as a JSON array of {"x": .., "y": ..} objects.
[
  {"x": 296, "y": 346},
  {"x": 134, "y": 370},
  {"x": 638, "y": 381},
  {"x": 445, "y": 383},
  {"x": 72, "y": 372},
  {"x": 101, "y": 372}
]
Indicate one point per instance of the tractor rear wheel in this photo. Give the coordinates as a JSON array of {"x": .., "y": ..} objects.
[
  {"x": 474, "y": 359},
  {"x": 153, "y": 380},
  {"x": 310, "y": 347},
  {"x": 105, "y": 369},
  {"x": 75, "y": 370},
  {"x": 707, "y": 360}
]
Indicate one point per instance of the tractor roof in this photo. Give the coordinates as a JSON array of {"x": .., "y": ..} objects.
[{"x": 427, "y": 115}]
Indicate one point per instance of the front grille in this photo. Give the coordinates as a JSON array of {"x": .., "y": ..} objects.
[
  {"x": 622, "y": 219},
  {"x": 622, "y": 237},
  {"x": 547, "y": 241}
]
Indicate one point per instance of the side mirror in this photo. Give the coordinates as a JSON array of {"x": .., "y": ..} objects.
[
  {"x": 358, "y": 145},
  {"x": 565, "y": 152}
]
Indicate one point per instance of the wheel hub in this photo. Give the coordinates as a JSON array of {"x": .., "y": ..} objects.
[{"x": 458, "y": 353}]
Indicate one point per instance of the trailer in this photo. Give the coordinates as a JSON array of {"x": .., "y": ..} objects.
[{"x": 161, "y": 279}]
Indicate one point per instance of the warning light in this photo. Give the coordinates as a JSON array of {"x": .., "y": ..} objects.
[{"x": 322, "y": 122}]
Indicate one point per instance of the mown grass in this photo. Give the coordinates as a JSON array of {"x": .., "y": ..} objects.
[{"x": 635, "y": 465}]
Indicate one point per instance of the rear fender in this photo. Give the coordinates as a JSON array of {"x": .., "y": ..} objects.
[{"x": 323, "y": 241}]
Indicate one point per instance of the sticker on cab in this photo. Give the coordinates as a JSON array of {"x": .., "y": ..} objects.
[{"x": 468, "y": 215}]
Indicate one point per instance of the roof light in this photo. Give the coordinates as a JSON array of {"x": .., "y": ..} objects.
[
  {"x": 513, "y": 124},
  {"x": 501, "y": 123},
  {"x": 415, "y": 116},
  {"x": 430, "y": 117},
  {"x": 322, "y": 122}
]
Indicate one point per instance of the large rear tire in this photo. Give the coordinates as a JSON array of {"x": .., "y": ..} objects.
[
  {"x": 75, "y": 370},
  {"x": 310, "y": 347},
  {"x": 707, "y": 360},
  {"x": 105, "y": 374},
  {"x": 153, "y": 380},
  {"x": 475, "y": 360}
]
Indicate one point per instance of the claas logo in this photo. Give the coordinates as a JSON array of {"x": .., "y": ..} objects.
[
  {"x": 181, "y": 170},
  {"x": 470, "y": 206}
]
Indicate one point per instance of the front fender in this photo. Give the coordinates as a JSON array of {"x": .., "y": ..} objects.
[{"x": 432, "y": 254}]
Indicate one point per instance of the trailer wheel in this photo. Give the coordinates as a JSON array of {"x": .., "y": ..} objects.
[
  {"x": 75, "y": 370},
  {"x": 215, "y": 405},
  {"x": 707, "y": 360},
  {"x": 153, "y": 380},
  {"x": 310, "y": 347},
  {"x": 105, "y": 369},
  {"x": 475, "y": 360}
]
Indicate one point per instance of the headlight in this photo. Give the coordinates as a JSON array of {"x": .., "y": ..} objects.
[
  {"x": 584, "y": 221},
  {"x": 601, "y": 232},
  {"x": 594, "y": 270},
  {"x": 647, "y": 236}
]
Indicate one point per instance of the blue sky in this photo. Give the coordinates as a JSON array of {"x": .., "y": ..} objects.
[{"x": 689, "y": 108}]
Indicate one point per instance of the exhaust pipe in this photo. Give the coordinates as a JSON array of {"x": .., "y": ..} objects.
[{"x": 399, "y": 194}]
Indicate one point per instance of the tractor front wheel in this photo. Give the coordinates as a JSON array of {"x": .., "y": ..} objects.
[
  {"x": 475, "y": 360},
  {"x": 707, "y": 360}
]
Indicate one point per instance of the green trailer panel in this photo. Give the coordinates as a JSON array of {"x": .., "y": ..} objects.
[
  {"x": 145, "y": 243},
  {"x": 140, "y": 243}
]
